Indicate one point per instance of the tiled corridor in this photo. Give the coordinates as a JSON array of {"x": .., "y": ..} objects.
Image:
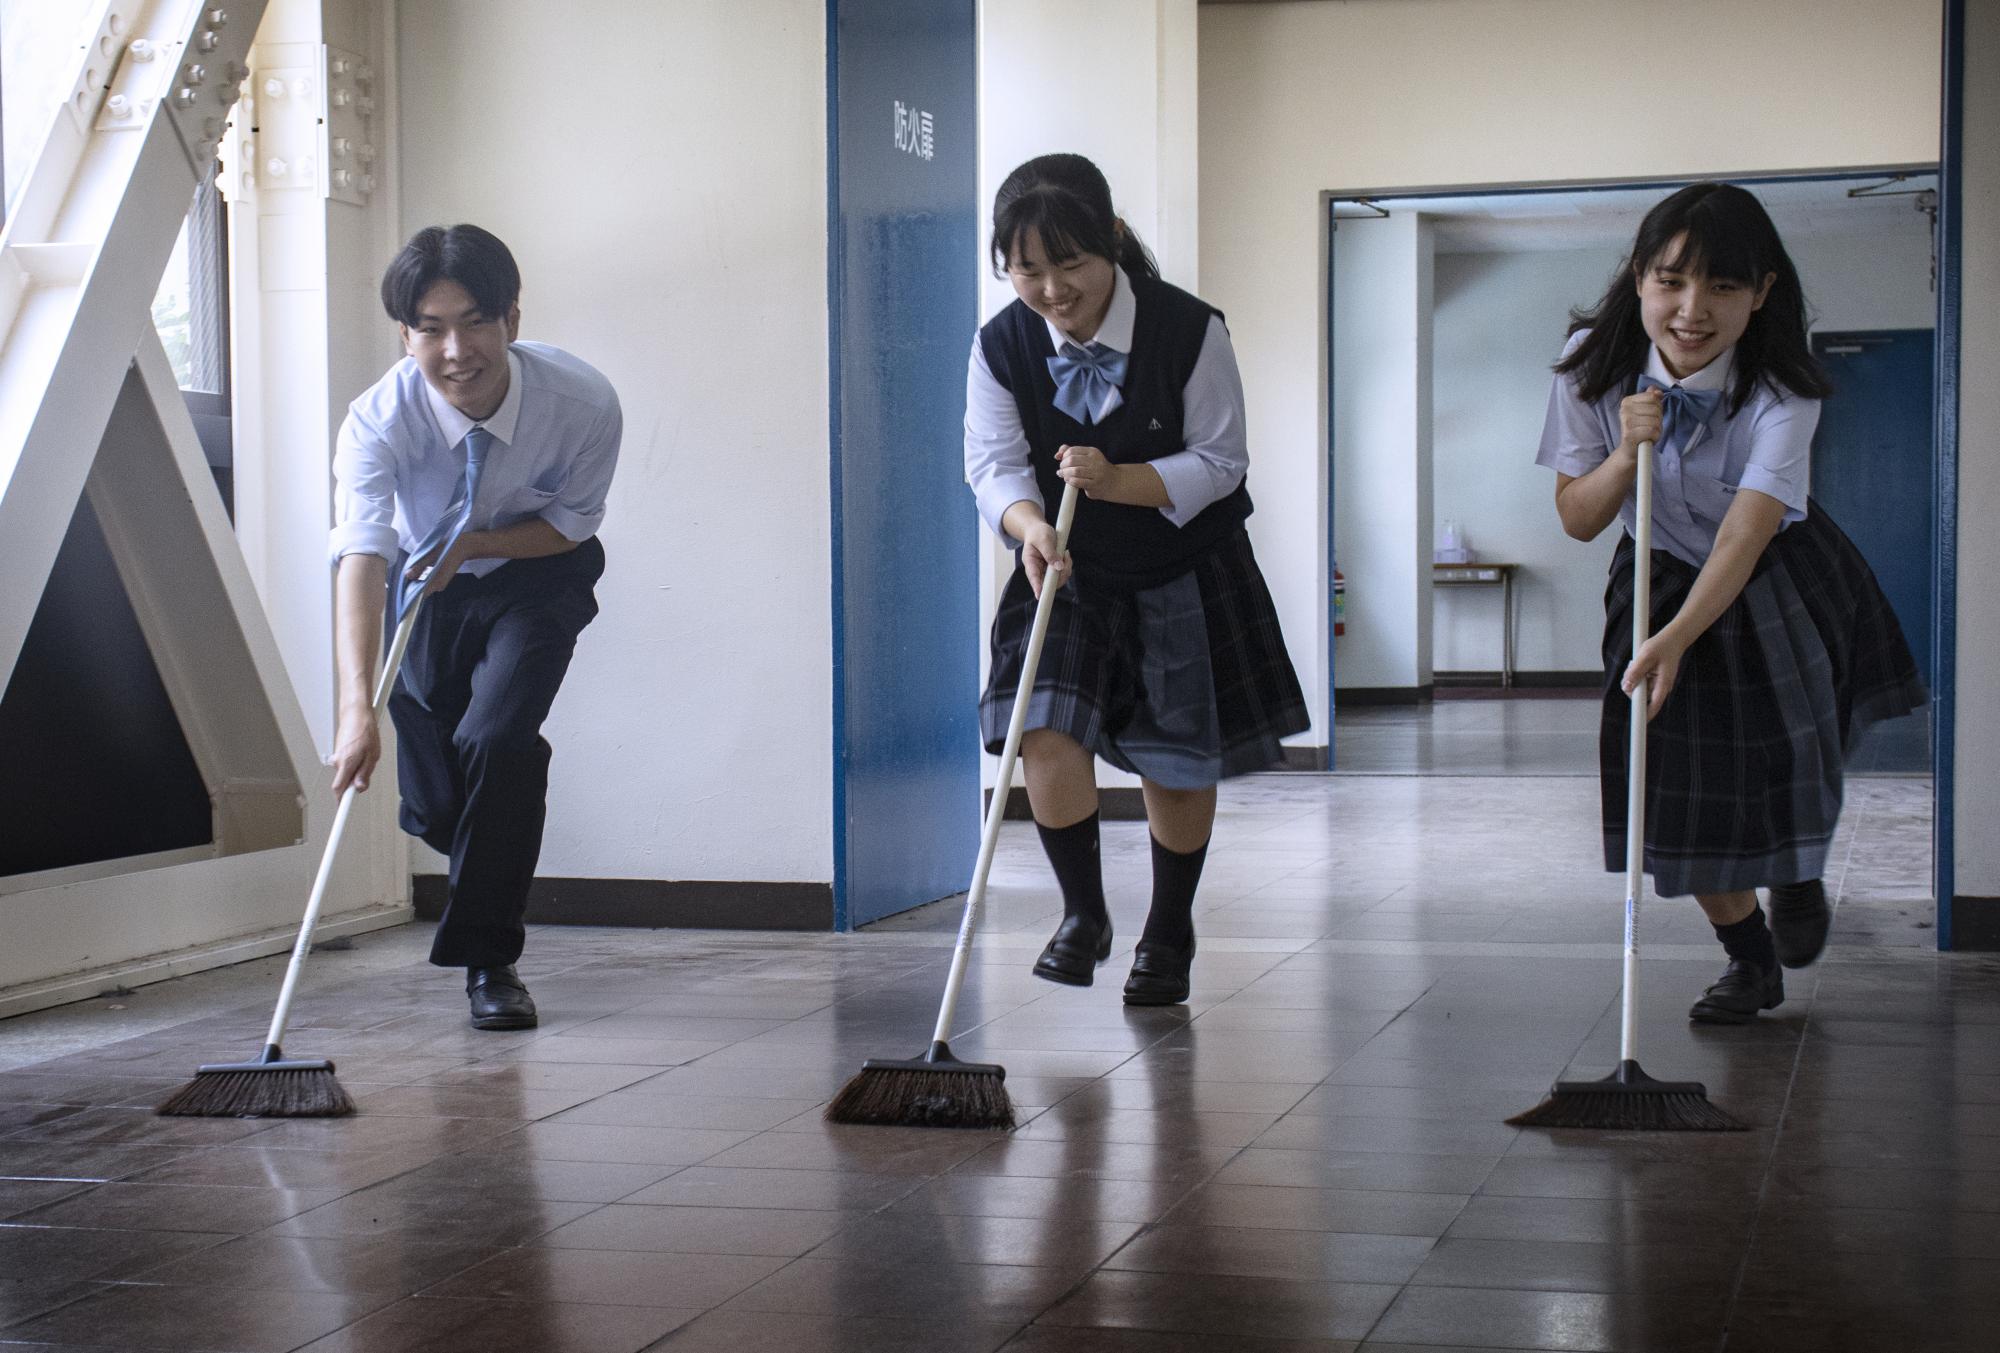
[{"x": 1309, "y": 1156}]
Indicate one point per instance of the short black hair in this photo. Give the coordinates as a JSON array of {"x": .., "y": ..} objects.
[{"x": 465, "y": 254}]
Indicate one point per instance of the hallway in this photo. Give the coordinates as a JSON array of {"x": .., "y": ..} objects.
[{"x": 1310, "y": 1156}]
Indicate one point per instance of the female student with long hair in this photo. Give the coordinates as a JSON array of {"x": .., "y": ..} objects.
[
  {"x": 1772, "y": 646},
  {"x": 1163, "y": 655}
]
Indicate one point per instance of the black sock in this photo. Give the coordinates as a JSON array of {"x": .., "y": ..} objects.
[
  {"x": 1749, "y": 938},
  {"x": 1175, "y": 876},
  {"x": 1072, "y": 850}
]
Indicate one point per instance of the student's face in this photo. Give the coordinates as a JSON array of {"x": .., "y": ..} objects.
[
  {"x": 462, "y": 353},
  {"x": 1694, "y": 318},
  {"x": 1071, "y": 293}
]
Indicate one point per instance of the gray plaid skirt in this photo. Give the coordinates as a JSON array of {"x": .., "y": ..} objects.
[
  {"x": 1186, "y": 683},
  {"x": 1744, "y": 762}
]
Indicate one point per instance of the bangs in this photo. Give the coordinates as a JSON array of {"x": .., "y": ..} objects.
[
  {"x": 1717, "y": 238},
  {"x": 1061, "y": 221}
]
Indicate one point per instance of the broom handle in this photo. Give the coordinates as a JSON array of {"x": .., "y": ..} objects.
[
  {"x": 1635, "y": 754},
  {"x": 1003, "y": 777},
  {"x": 383, "y": 685}
]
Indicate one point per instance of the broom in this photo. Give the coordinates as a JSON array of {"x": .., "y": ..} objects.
[
  {"x": 1628, "y": 1098},
  {"x": 273, "y": 1085},
  {"x": 936, "y": 1089}
]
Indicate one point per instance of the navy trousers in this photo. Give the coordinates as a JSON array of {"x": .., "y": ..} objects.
[{"x": 485, "y": 661}]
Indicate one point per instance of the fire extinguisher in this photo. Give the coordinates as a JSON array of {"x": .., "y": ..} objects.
[{"x": 1339, "y": 604}]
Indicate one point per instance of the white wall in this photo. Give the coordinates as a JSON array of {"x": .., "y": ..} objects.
[
  {"x": 1499, "y": 322},
  {"x": 1140, "y": 130},
  {"x": 1977, "y": 751},
  {"x": 1298, "y": 99},
  {"x": 660, "y": 172},
  {"x": 1382, "y": 458}
]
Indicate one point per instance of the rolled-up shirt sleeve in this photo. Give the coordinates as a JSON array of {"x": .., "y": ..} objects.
[
  {"x": 1780, "y": 461},
  {"x": 578, "y": 510},
  {"x": 996, "y": 448},
  {"x": 364, "y": 494},
  {"x": 1217, "y": 453}
]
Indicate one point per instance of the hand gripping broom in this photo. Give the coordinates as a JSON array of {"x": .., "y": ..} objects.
[
  {"x": 1628, "y": 1098},
  {"x": 274, "y": 1086},
  {"x": 936, "y": 1089}
]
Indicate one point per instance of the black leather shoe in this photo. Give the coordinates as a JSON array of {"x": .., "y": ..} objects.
[
  {"x": 1159, "y": 973},
  {"x": 1799, "y": 921},
  {"x": 1743, "y": 990},
  {"x": 1073, "y": 953},
  {"x": 499, "y": 1001}
]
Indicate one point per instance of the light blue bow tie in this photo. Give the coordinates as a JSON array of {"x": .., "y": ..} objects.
[
  {"x": 1085, "y": 377},
  {"x": 1681, "y": 411},
  {"x": 455, "y": 518}
]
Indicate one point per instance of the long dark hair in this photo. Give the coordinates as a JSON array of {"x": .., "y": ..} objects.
[
  {"x": 1066, "y": 202},
  {"x": 1724, "y": 233}
]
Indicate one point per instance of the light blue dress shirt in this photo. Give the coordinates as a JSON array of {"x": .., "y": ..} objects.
[
  {"x": 1217, "y": 453},
  {"x": 398, "y": 462},
  {"x": 1767, "y": 447}
]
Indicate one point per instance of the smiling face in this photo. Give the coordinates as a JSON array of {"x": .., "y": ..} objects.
[
  {"x": 1073, "y": 293},
  {"x": 1691, "y": 317},
  {"x": 462, "y": 353}
]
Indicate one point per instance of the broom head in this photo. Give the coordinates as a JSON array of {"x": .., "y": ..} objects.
[
  {"x": 270, "y": 1087},
  {"x": 1629, "y": 1100},
  {"x": 935, "y": 1090}
]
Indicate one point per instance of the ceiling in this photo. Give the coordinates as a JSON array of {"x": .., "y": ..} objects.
[{"x": 1608, "y": 218}]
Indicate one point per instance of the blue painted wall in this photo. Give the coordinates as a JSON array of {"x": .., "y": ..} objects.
[{"x": 903, "y": 242}]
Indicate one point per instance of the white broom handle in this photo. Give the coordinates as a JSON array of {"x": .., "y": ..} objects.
[
  {"x": 1635, "y": 754},
  {"x": 1003, "y": 776},
  {"x": 383, "y": 685}
]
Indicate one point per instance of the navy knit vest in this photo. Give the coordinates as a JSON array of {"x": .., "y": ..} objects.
[{"x": 1117, "y": 543}]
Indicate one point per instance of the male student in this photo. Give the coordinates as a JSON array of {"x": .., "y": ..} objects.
[{"x": 482, "y": 462}]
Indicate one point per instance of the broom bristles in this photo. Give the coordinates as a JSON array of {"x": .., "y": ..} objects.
[
  {"x": 1628, "y": 1100},
  {"x": 918, "y": 1094},
  {"x": 257, "y": 1092}
]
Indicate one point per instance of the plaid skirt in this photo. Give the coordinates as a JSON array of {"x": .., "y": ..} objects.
[
  {"x": 1185, "y": 683},
  {"x": 1743, "y": 764}
]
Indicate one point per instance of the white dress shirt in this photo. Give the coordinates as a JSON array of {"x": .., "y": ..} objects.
[
  {"x": 399, "y": 459},
  {"x": 1213, "y": 463}
]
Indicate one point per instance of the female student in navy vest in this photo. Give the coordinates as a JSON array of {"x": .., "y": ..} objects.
[
  {"x": 1163, "y": 654},
  {"x": 1772, "y": 646}
]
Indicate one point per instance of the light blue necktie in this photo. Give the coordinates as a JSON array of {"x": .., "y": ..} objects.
[
  {"x": 1681, "y": 411},
  {"x": 456, "y": 517},
  {"x": 1085, "y": 377}
]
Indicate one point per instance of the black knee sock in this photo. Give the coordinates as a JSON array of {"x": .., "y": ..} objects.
[
  {"x": 1175, "y": 876},
  {"x": 1072, "y": 850},
  {"x": 1749, "y": 938}
]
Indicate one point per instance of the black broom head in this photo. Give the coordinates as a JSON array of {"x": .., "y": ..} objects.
[
  {"x": 1628, "y": 1100},
  {"x": 263, "y": 1089},
  {"x": 935, "y": 1090}
]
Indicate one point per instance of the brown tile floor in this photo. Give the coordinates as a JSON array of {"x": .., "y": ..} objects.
[{"x": 1308, "y": 1156}]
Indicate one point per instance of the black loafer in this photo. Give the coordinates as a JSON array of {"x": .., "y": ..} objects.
[
  {"x": 1743, "y": 990},
  {"x": 499, "y": 1001},
  {"x": 1159, "y": 973},
  {"x": 1799, "y": 921},
  {"x": 1073, "y": 953}
]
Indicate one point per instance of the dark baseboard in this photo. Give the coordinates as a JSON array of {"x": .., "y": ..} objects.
[
  {"x": 1585, "y": 680},
  {"x": 1303, "y": 758},
  {"x": 657, "y": 904},
  {"x": 1975, "y": 924},
  {"x": 1354, "y": 697}
]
